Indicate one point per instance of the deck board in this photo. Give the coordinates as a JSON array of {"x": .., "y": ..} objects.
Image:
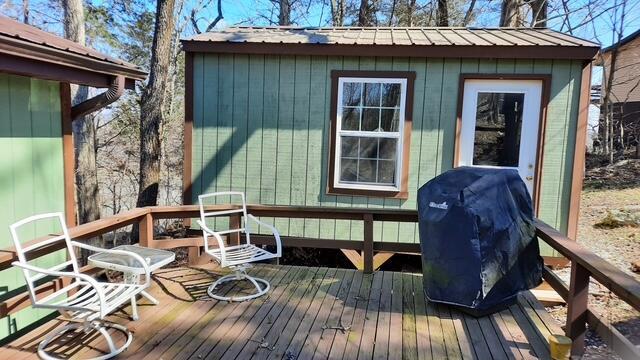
[{"x": 382, "y": 315}]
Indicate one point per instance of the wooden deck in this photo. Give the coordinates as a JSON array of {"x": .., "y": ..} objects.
[{"x": 310, "y": 313}]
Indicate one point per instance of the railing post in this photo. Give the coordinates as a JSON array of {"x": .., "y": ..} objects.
[
  {"x": 577, "y": 307},
  {"x": 367, "y": 250},
  {"x": 234, "y": 223},
  {"x": 145, "y": 230}
]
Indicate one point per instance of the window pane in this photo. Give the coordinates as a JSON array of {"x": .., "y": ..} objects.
[
  {"x": 391, "y": 95},
  {"x": 388, "y": 149},
  {"x": 390, "y": 120},
  {"x": 349, "y": 146},
  {"x": 498, "y": 127},
  {"x": 386, "y": 171},
  {"x": 350, "y": 118},
  {"x": 348, "y": 170},
  {"x": 368, "y": 148},
  {"x": 370, "y": 119},
  {"x": 351, "y": 93},
  {"x": 367, "y": 171},
  {"x": 371, "y": 94}
]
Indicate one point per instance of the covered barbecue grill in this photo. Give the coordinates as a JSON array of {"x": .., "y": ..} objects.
[{"x": 477, "y": 236}]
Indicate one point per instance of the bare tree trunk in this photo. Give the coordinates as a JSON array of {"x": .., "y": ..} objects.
[
  {"x": 511, "y": 13},
  {"x": 443, "y": 13},
  {"x": 540, "y": 10},
  {"x": 469, "y": 13},
  {"x": 412, "y": 9},
  {"x": 391, "y": 15},
  {"x": 84, "y": 135},
  {"x": 25, "y": 11},
  {"x": 284, "y": 19},
  {"x": 152, "y": 108},
  {"x": 337, "y": 12},
  {"x": 367, "y": 13}
]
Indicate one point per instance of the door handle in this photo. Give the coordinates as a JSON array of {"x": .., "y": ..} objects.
[{"x": 529, "y": 178}]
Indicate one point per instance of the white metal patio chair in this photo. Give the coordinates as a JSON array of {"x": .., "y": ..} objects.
[
  {"x": 91, "y": 300},
  {"x": 237, "y": 257}
]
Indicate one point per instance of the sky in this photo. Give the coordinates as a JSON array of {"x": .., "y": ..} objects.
[
  {"x": 600, "y": 30},
  {"x": 258, "y": 12},
  {"x": 237, "y": 12}
]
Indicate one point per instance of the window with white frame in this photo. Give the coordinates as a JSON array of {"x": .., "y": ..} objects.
[{"x": 369, "y": 126}]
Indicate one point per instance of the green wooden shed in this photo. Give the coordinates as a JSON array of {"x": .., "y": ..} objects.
[
  {"x": 362, "y": 117},
  {"x": 37, "y": 165}
]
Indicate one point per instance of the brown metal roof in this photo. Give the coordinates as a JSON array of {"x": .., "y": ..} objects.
[
  {"x": 18, "y": 40},
  {"x": 411, "y": 41}
]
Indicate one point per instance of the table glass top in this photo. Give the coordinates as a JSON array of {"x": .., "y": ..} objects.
[{"x": 151, "y": 256}]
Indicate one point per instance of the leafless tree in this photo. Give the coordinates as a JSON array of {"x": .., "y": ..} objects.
[
  {"x": 25, "y": 11},
  {"x": 153, "y": 101},
  {"x": 608, "y": 80},
  {"x": 511, "y": 13},
  {"x": 84, "y": 136},
  {"x": 284, "y": 17},
  {"x": 443, "y": 13},
  {"x": 469, "y": 13},
  {"x": 212, "y": 24},
  {"x": 367, "y": 13},
  {"x": 338, "y": 8}
]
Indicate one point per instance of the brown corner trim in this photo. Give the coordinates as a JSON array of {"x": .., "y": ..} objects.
[
  {"x": 406, "y": 136},
  {"x": 188, "y": 130},
  {"x": 68, "y": 155},
  {"x": 446, "y": 51},
  {"x": 579, "y": 151},
  {"x": 544, "y": 102}
]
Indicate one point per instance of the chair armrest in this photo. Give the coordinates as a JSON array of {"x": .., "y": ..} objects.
[
  {"x": 137, "y": 257},
  {"x": 84, "y": 277},
  {"x": 274, "y": 231},
  {"x": 206, "y": 232}
]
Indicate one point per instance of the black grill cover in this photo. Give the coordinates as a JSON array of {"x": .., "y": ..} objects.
[{"x": 479, "y": 247}]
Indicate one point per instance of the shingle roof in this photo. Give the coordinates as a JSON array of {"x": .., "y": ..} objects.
[
  {"x": 23, "y": 40},
  {"x": 395, "y": 36}
]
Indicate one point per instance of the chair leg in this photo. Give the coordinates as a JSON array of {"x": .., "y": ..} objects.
[
  {"x": 239, "y": 275},
  {"x": 99, "y": 326}
]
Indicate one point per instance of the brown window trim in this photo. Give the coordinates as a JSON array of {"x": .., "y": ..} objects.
[
  {"x": 410, "y": 76},
  {"x": 544, "y": 102}
]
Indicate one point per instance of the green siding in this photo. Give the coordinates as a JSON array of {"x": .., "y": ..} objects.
[
  {"x": 262, "y": 126},
  {"x": 32, "y": 180}
]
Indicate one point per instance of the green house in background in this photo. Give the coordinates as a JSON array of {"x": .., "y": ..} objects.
[
  {"x": 362, "y": 117},
  {"x": 37, "y": 162}
]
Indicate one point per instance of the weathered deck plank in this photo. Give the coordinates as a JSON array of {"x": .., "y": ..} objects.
[{"x": 384, "y": 315}]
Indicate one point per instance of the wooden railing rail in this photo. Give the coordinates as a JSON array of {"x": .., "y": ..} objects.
[
  {"x": 584, "y": 266},
  {"x": 584, "y": 263}
]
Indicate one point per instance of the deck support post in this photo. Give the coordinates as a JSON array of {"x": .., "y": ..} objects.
[
  {"x": 577, "y": 311},
  {"x": 145, "y": 231},
  {"x": 367, "y": 250}
]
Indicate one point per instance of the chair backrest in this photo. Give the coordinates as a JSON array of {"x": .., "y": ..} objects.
[
  {"x": 50, "y": 220},
  {"x": 218, "y": 198}
]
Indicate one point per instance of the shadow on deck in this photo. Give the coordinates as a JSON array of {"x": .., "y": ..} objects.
[{"x": 310, "y": 313}]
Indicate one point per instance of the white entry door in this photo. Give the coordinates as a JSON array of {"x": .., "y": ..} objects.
[{"x": 500, "y": 120}]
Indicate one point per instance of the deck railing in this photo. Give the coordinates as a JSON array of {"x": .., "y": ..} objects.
[{"x": 584, "y": 263}]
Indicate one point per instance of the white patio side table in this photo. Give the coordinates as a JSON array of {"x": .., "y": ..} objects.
[{"x": 132, "y": 270}]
